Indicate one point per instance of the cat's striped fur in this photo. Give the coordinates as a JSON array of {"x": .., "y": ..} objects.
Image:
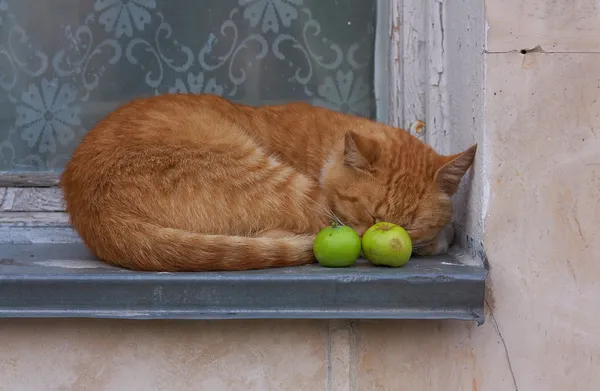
[{"x": 196, "y": 182}]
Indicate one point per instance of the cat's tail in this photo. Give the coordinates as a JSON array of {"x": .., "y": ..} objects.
[{"x": 144, "y": 246}]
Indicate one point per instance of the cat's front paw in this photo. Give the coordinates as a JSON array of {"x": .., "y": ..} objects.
[{"x": 444, "y": 240}]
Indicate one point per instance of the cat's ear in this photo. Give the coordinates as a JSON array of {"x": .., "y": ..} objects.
[
  {"x": 359, "y": 151},
  {"x": 453, "y": 168}
]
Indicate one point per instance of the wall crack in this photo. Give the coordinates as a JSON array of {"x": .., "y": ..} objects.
[{"x": 497, "y": 328}]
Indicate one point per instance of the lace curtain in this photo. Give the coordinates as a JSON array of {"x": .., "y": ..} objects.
[{"x": 65, "y": 63}]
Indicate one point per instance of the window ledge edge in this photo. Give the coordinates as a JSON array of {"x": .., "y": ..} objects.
[{"x": 64, "y": 280}]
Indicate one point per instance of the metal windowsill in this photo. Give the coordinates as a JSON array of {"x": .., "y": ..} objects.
[{"x": 65, "y": 280}]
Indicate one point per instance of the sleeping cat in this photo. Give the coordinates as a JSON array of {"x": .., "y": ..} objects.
[{"x": 196, "y": 183}]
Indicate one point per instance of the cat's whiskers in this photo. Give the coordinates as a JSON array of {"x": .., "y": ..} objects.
[
  {"x": 420, "y": 246},
  {"x": 317, "y": 207},
  {"x": 337, "y": 220}
]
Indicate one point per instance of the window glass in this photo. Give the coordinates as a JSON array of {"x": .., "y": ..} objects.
[{"x": 65, "y": 63}]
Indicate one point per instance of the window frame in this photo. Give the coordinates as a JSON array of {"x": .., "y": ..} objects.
[{"x": 410, "y": 90}]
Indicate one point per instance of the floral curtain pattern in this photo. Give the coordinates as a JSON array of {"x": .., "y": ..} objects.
[{"x": 65, "y": 63}]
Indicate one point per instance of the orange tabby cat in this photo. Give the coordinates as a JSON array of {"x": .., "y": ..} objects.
[{"x": 196, "y": 182}]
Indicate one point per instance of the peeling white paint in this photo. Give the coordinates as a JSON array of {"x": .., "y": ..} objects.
[
  {"x": 484, "y": 155},
  {"x": 9, "y": 199},
  {"x": 38, "y": 235},
  {"x": 455, "y": 117},
  {"x": 436, "y": 87}
]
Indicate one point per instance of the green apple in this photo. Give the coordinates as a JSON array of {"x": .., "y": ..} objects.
[
  {"x": 337, "y": 246},
  {"x": 387, "y": 244}
]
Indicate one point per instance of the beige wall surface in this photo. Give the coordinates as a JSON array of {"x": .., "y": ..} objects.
[
  {"x": 541, "y": 231},
  {"x": 109, "y": 355},
  {"x": 543, "y": 114},
  {"x": 539, "y": 219},
  {"x": 553, "y": 25}
]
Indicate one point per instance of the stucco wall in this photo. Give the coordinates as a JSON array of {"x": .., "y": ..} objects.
[{"x": 538, "y": 218}]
